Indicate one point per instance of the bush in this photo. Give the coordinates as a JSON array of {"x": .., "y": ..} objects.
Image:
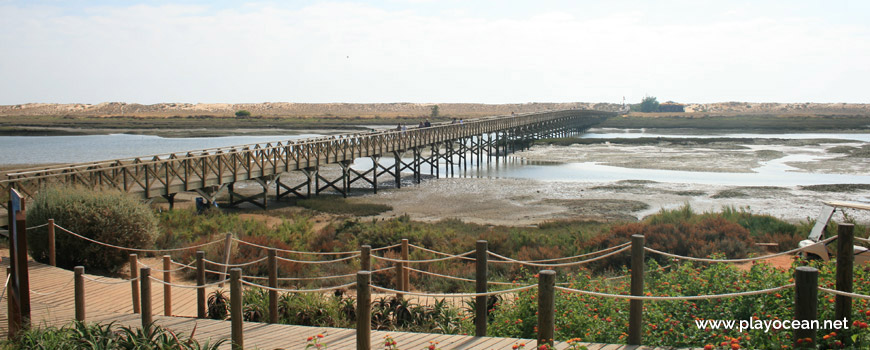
[
  {"x": 110, "y": 217},
  {"x": 243, "y": 113}
]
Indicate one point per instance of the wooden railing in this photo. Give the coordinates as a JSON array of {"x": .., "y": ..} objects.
[{"x": 164, "y": 174}]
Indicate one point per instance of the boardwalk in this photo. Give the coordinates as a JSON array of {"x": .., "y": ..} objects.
[
  {"x": 392, "y": 152},
  {"x": 52, "y": 305}
]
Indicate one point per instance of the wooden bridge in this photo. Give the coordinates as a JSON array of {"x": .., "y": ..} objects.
[{"x": 208, "y": 172}]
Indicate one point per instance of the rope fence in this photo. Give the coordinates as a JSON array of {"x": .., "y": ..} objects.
[
  {"x": 546, "y": 284},
  {"x": 136, "y": 249}
]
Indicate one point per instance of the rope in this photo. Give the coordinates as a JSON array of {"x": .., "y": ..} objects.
[
  {"x": 293, "y": 251},
  {"x": 3, "y": 294},
  {"x": 509, "y": 260},
  {"x": 318, "y": 261},
  {"x": 104, "y": 281},
  {"x": 735, "y": 260},
  {"x": 54, "y": 292},
  {"x": 387, "y": 247},
  {"x": 862, "y": 239},
  {"x": 694, "y": 297},
  {"x": 37, "y": 226},
  {"x": 299, "y": 290},
  {"x": 436, "y": 252},
  {"x": 188, "y": 266},
  {"x": 136, "y": 249},
  {"x": 423, "y": 261},
  {"x": 845, "y": 294},
  {"x": 453, "y": 295},
  {"x": 460, "y": 278},
  {"x": 582, "y": 255},
  {"x": 236, "y": 265},
  {"x": 188, "y": 286},
  {"x": 312, "y": 278}
]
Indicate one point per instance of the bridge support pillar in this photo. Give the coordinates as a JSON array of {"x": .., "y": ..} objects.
[
  {"x": 344, "y": 178},
  {"x": 210, "y": 193},
  {"x": 309, "y": 173},
  {"x": 170, "y": 198},
  {"x": 264, "y": 182}
]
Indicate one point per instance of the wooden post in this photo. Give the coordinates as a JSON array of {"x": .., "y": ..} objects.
[
  {"x": 228, "y": 246},
  {"x": 134, "y": 282},
  {"x": 481, "y": 303},
  {"x": 200, "y": 281},
  {"x": 363, "y": 310},
  {"x": 806, "y": 302},
  {"x": 145, "y": 274},
  {"x": 406, "y": 276},
  {"x": 21, "y": 266},
  {"x": 167, "y": 289},
  {"x": 80, "y": 293},
  {"x": 546, "y": 307},
  {"x": 52, "y": 259},
  {"x": 365, "y": 257},
  {"x": 273, "y": 283},
  {"x": 635, "y": 316},
  {"x": 236, "y": 309},
  {"x": 13, "y": 315},
  {"x": 845, "y": 265}
]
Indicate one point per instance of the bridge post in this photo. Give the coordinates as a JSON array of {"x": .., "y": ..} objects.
[
  {"x": 844, "y": 272},
  {"x": 79, "y": 290},
  {"x": 236, "y": 334},
  {"x": 635, "y": 316},
  {"x": 273, "y": 283},
  {"x": 481, "y": 303},
  {"x": 167, "y": 289},
  {"x": 416, "y": 167},
  {"x": 363, "y": 311},
  {"x": 546, "y": 307},
  {"x": 397, "y": 157},
  {"x": 52, "y": 256},
  {"x": 134, "y": 281},
  {"x": 806, "y": 302},
  {"x": 200, "y": 282},
  {"x": 145, "y": 274},
  {"x": 375, "y": 160}
]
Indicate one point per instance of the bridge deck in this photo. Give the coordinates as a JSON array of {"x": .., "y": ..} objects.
[{"x": 52, "y": 305}]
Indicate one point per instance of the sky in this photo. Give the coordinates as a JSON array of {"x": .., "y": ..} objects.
[{"x": 427, "y": 51}]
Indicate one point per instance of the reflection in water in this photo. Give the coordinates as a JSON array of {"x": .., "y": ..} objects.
[{"x": 91, "y": 148}]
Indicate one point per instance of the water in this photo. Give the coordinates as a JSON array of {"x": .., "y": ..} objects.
[{"x": 90, "y": 148}]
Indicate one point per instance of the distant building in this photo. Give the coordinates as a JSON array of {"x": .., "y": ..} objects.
[{"x": 671, "y": 106}]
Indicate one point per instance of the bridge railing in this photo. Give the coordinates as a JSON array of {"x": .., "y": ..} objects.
[{"x": 195, "y": 169}]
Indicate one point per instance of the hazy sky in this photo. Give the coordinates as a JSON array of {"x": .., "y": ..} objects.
[{"x": 434, "y": 51}]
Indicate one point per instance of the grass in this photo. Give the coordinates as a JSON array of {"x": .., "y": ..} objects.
[
  {"x": 767, "y": 122},
  {"x": 338, "y": 205},
  {"x": 836, "y": 187}
]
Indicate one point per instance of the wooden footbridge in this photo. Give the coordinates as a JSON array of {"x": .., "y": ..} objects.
[{"x": 208, "y": 172}]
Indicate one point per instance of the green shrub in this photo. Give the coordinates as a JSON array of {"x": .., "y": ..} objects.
[
  {"x": 78, "y": 335},
  {"x": 110, "y": 217},
  {"x": 243, "y": 113}
]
